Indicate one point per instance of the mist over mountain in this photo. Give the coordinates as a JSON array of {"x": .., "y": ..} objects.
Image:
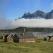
[
  {"x": 39, "y": 14},
  {"x": 36, "y": 19}
]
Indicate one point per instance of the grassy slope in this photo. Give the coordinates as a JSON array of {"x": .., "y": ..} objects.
[{"x": 42, "y": 47}]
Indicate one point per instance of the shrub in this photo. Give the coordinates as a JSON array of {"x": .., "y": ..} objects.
[
  {"x": 15, "y": 39},
  {"x": 5, "y": 38},
  {"x": 45, "y": 39}
]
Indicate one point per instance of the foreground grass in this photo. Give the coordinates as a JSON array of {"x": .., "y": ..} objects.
[{"x": 41, "y": 47}]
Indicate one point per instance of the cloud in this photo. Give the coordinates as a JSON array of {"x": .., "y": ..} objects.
[
  {"x": 7, "y": 24},
  {"x": 32, "y": 23}
]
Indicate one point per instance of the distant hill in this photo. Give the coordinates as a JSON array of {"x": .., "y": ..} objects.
[
  {"x": 39, "y": 14},
  {"x": 21, "y": 29},
  {"x": 34, "y": 29}
]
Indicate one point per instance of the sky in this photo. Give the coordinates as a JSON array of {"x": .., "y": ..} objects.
[
  {"x": 16, "y": 8},
  {"x": 13, "y": 9}
]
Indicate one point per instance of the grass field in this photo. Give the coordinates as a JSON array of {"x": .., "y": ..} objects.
[{"x": 38, "y": 47}]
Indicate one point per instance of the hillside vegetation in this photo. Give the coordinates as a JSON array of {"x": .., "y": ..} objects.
[{"x": 27, "y": 29}]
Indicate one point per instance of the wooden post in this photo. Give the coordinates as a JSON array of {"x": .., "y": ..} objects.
[{"x": 24, "y": 32}]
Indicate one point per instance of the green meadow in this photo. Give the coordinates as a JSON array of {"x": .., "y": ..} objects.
[{"x": 37, "y": 47}]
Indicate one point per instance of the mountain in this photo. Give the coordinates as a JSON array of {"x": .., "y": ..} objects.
[
  {"x": 49, "y": 15},
  {"x": 38, "y": 14},
  {"x": 28, "y": 15}
]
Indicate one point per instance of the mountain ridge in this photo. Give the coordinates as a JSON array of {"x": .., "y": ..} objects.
[{"x": 38, "y": 13}]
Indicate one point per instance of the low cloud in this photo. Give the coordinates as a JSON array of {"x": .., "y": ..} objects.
[
  {"x": 32, "y": 23},
  {"x": 6, "y": 24}
]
